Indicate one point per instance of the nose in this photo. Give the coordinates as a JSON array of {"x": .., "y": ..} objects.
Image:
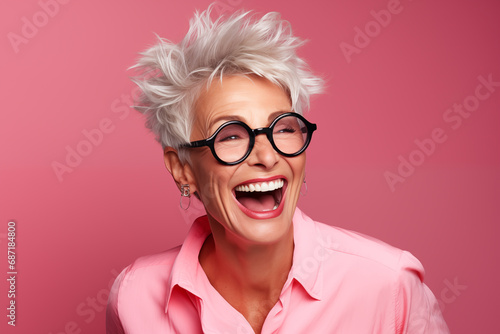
[{"x": 263, "y": 153}]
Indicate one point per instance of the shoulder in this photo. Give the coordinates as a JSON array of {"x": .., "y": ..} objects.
[
  {"x": 369, "y": 248},
  {"x": 154, "y": 261},
  {"x": 379, "y": 281},
  {"x": 149, "y": 269},
  {"x": 139, "y": 288},
  {"x": 359, "y": 248},
  {"x": 146, "y": 276}
]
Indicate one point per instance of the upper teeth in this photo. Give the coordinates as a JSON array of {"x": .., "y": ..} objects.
[{"x": 261, "y": 186}]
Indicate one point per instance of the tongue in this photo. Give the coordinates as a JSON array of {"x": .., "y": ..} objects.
[{"x": 259, "y": 203}]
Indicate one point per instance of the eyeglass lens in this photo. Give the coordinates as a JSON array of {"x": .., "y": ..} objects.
[{"x": 232, "y": 142}]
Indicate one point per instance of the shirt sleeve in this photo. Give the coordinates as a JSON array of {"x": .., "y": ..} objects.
[
  {"x": 113, "y": 323},
  {"x": 417, "y": 310}
]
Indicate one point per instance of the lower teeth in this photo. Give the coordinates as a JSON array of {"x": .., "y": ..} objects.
[{"x": 275, "y": 207}]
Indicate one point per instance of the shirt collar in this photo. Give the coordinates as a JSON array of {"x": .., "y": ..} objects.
[
  {"x": 184, "y": 272},
  {"x": 309, "y": 252}
]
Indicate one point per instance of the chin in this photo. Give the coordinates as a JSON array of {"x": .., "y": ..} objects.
[{"x": 265, "y": 230}]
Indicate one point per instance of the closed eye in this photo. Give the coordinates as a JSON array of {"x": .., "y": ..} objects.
[
  {"x": 286, "y": 130},
  {"x": 228, "y": 138}
]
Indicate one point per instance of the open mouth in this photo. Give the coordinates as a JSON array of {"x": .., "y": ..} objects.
[{"x": 260, "y": 196}]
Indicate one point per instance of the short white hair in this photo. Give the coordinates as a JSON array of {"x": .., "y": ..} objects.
[{"x": 171, "y": 76}]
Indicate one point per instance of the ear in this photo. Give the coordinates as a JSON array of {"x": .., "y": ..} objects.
[{"x": 182, "y": 173}]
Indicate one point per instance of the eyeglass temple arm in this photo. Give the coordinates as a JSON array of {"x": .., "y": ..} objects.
[{"x": 198, "y": 143}]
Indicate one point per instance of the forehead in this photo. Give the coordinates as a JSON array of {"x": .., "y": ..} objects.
[{"x": 250, "y": 99}]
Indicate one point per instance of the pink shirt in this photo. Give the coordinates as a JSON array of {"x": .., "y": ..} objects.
[{"x": 340, "y": 282}]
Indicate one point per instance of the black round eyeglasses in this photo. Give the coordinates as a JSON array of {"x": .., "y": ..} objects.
[{"x": 289, "y": 134}]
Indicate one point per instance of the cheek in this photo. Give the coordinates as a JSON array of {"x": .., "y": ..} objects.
[
  {"x": 298, "y": 165},
  {"x": 212, "y": 182},
  {"x": 205, "y": 186}
]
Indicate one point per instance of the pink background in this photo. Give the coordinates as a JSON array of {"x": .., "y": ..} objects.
[{"x": 68, "y": 77}]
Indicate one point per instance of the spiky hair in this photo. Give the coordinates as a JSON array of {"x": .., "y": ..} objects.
[{"x": 171, "y": 76}]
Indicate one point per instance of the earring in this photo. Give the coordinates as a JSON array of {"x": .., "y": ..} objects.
[
  {"x": 304, "y": 185},
  {"x": 185, "y": 192}
]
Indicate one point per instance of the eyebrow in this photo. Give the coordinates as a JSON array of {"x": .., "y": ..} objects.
[{"x": 228, "y": 118}]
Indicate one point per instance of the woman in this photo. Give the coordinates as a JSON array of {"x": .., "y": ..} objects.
[{"x": 226, "y": 104}]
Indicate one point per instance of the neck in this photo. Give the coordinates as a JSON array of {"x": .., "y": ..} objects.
[
  {"x": 247, "y": 275},
  {"x": 238, "y": 267}
]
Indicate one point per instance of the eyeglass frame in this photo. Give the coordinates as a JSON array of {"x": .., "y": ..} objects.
[{"x": 252, "y": 133}]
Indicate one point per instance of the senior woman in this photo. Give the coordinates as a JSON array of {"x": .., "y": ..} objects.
[{"x": 226, "y": 104}]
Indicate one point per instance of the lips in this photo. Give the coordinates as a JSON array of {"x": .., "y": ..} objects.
[{"x": 261, "y": 198}]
